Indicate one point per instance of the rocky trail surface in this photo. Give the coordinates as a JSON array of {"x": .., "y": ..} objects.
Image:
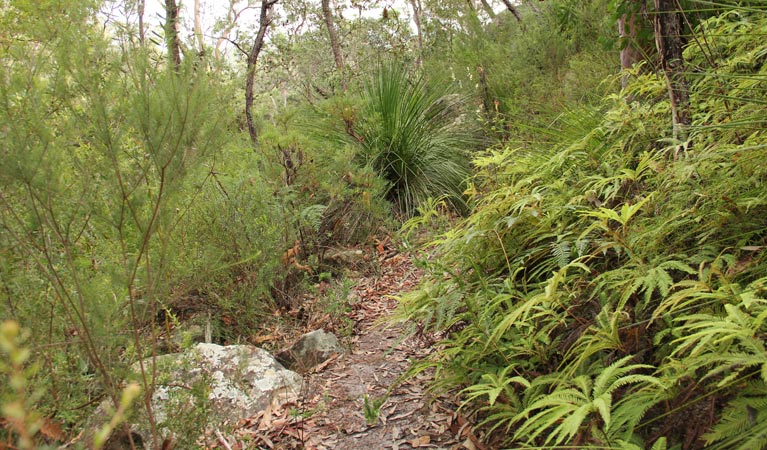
[{"x": 358, "y": 400}]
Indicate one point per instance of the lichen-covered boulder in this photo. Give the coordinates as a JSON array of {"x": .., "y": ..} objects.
[
  {"x": 241, "y": 380},
  {"x": 345, "y": 257},
  {"x": 211, "y": 387}
]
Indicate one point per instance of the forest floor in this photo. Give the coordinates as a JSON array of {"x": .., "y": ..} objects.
[{"x": 360, "y": 399}]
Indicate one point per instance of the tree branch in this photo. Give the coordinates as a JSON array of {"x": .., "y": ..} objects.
[
  {"x": 265, "y": 19},
  {"x": 512, "y": 9}
]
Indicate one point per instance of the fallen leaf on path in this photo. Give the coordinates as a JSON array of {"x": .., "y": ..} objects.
[
  {"x": 462, "y": 427},
  {"x": 469, "y": 445},
  {"x": 263, "y": 338},
  {"x": 402, "y": 416},
  {"x": 326, "y": 363},
  {"x": 420, "y": 441}
]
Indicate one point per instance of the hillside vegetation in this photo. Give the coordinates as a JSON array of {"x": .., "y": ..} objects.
[
  {"x": 595, "y": 204},
  {"x": 608, "y": 288}
]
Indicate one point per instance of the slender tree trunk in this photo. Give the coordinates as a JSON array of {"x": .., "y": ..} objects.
[
  {"x": 533, "y": 5},
  {"x": 417, "y": 9},
  {"x": 668, "y": 39},
  {"x": 171, "y": 33},
  {"x": 513, "y": 10},
  {"x": 487, "y": 100},
  {"x": 335, "y": 45},
  {"x": 232, "y": 16},
  {"x": 629, "y": 25},
  {"x": 141, "y": 33},
  {"x": 198, "y": 28},
  {"x": 488, "y": 9},
  {"x": 264, "y": 20}
]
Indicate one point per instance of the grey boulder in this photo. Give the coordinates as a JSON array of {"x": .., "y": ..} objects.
[
  {"x": 311, "y": 349},
  {"x": 212, "y": 387}
]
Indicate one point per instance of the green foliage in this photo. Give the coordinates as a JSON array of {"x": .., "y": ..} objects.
[
  {"x": 129, "y": 394},
  {"x": 618, "y": 271},
  {"x": 229, "y": 243},
  {"x": 524, "y": 74},
  {"x": 99, "y": 151},
  {"x": 371, "y": 408},
  {"x": 416, "y": 136},
  {"x": 562, "y": 410},
  {"x": 431, "y": 216},
  {"x": 130, "y": 202},
  {"x": 743, "y": 422},
  {"x": 15, "y": 406}
]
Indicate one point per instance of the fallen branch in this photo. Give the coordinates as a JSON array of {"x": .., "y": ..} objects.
[{"x": 223, "y": 440}]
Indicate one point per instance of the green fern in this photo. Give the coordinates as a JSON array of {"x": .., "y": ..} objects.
[
  {"x": 493, "y": 385},
  {"x": 730, "y": 344},
  {"x": 600, "y": 338},
  {"x": 574, "y": 404},
  {"x": 652, "y": 279},
  {"x": 743, "y": 425},
  {"x": 561, "y": 250},
  {"x": 312, "y": 215},
  {"x": 598, "y": 244}
]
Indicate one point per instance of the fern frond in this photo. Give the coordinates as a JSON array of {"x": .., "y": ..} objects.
[
  {"x": 743, "y": 424},
  {"x": 561, "y": 250},
  {"x": 312, "y": 215}
]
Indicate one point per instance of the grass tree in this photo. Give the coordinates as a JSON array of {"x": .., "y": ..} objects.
[{"x": 417, "y": 136}]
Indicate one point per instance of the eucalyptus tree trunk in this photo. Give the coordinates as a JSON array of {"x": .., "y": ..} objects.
[
  {"x": 265, "y": 19},
  {"x": 198, "y": 28},
  {"x": 668, "y": 39},
  {"x": 488, "y": 9},
  {"x": 232, "y": 16},
  {"x": 141, "y": 33},
  {"x": 629, "y": 25},
  {"x": 171, "y": 33},
  {"x": 335, "y": 45},
  {"x": 417, "y": 10}
]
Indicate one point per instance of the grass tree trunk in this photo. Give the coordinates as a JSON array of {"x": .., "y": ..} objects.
[
  {"x": 668, "y": 39},
  {"x": 335, "y": 44},
  {"x": 171, "y": 33},
  {"x": 265, "y": 20}
]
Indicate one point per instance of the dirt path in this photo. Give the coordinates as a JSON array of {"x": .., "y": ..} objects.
[{"x": 331, "y": 413}]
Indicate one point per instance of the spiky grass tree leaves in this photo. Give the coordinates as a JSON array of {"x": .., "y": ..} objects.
[{"x": 417, "y": 136}]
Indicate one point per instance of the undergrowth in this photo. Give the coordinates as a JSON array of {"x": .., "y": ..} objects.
[{"x": 610, "y": 289}]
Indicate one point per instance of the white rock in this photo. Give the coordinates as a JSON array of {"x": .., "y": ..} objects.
[{"x": 240, "y": 381}]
